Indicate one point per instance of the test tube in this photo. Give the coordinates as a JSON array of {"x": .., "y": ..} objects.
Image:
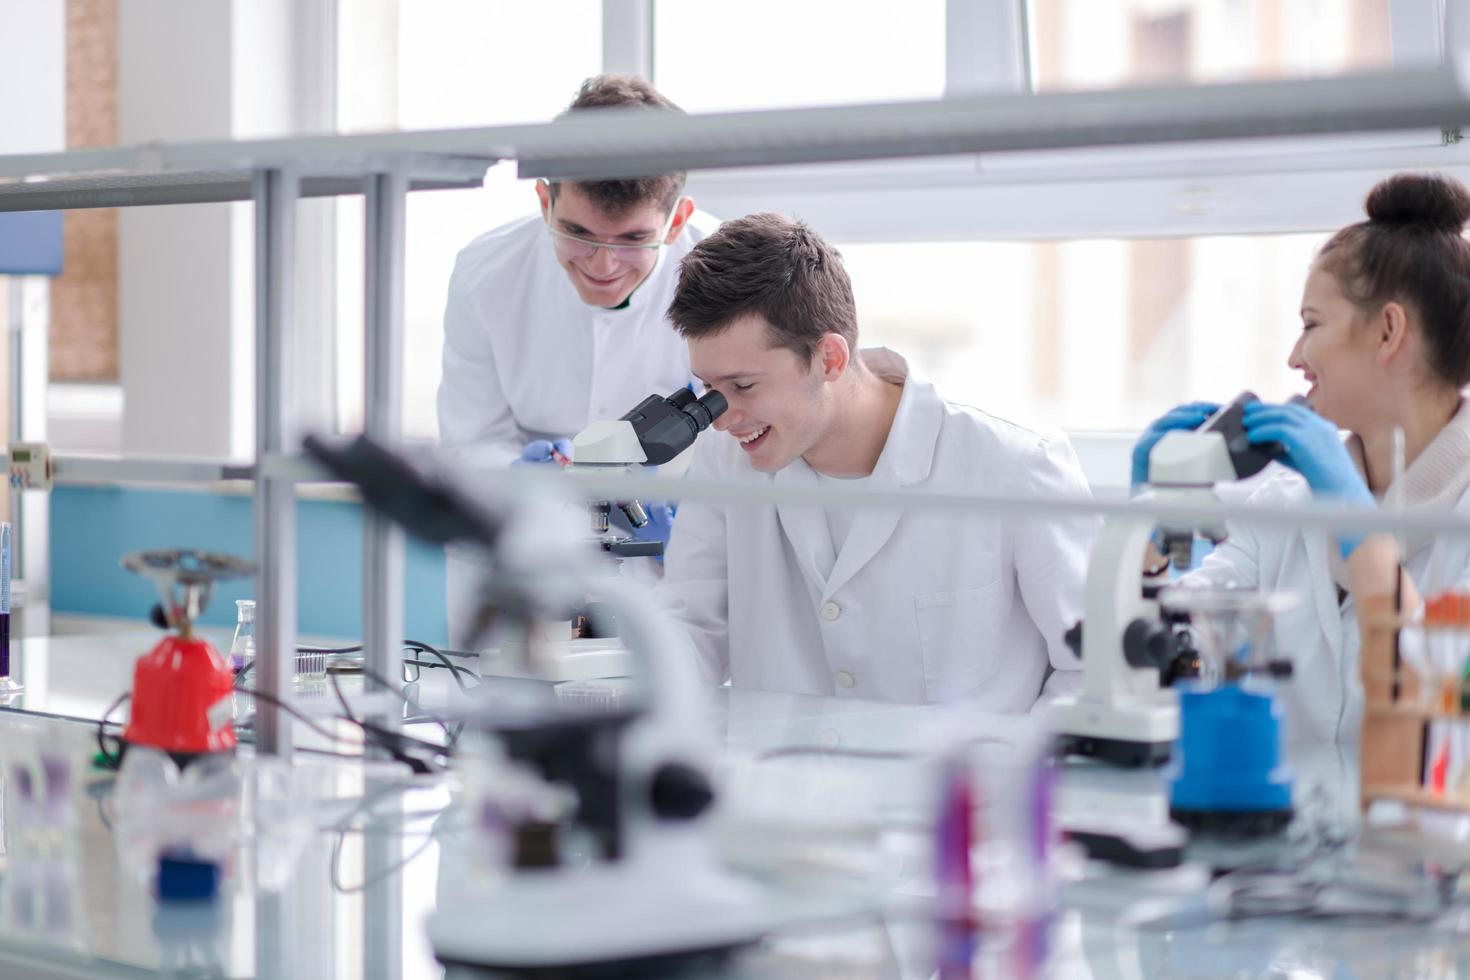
[{"x": 8, "y": 684}]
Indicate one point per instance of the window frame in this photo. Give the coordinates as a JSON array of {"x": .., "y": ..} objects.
[{"x": 1184, "y": 191}]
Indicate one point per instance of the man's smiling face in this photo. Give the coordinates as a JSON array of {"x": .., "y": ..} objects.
[{"x": 604, "y": 277}]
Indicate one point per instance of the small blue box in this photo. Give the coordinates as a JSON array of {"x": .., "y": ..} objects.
[{"x": 184, "y": 877}]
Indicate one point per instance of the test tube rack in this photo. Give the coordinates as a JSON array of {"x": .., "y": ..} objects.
[{"x": 1414, "y": 687}]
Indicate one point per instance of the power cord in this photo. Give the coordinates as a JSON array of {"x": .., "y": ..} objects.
[
  {"x": 111, "y": 760},
  {"x": 455, "y": 669},
  {"x": 394, "y": 743},
  {"x": 344, "y": 827},
  {"x": 300, "y": 716},
  {"x": 383, "y": 682},
  {"x": 418, "y": 646}
]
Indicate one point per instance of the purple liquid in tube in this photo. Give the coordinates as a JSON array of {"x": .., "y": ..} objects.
[{"x": 6, "y": 684}]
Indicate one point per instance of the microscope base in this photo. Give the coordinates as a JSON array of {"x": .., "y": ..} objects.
[
  {"x": 1115, "y": 751},
  {"x": 1233, "y": 824},
  {"x": 1131, "y": 734},
  {"x": 692, "y": 963},
  {"x": 628, "y": 919}
]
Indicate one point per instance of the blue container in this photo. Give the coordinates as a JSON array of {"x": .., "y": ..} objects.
[{"x": 1229, "y": 758}]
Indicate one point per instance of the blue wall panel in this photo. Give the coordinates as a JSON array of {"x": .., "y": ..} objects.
[{"x": 93, "y": 527}]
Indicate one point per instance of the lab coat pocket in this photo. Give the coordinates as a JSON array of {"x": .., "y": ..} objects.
[{"x": 954, "y": 633}]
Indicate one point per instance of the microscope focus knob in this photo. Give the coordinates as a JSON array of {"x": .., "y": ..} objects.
[
  {"x": 1279, "y": 669},
  {"x": 680, "y": 792},
  {"x": 1073, "y": 639},
  {"x": 1147, "y": 644}
]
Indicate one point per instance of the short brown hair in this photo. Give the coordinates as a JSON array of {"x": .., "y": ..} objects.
[
  {"x": 617, "y": 197},
  {"x": 769, "y": 265},
  {"x": 1412, "y": 250}
]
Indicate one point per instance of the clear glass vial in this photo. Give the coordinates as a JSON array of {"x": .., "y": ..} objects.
[{"x": 242, "y": 649}]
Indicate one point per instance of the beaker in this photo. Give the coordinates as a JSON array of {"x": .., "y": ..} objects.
[{"x": 1232, "y": 626}]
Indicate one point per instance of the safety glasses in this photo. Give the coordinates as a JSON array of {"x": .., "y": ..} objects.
[{"x": 575, "y": 247}]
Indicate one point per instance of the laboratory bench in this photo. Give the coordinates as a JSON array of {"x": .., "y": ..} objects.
[{"x": 829, "y": 798}]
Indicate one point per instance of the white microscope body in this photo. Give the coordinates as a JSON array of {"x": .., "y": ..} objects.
[
  {"x": 653, "y": 433},
  {"x": 1124, "y": 714},
  {"x": 559, "y": 655}
]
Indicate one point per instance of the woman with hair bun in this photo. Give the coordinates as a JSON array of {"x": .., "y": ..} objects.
[{"x": 1385, "y": 343}]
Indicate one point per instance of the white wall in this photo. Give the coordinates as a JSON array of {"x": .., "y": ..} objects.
[
  {"x": 174, "y": 275},
  {"x": 200, "y": 70},
  {"x": 32, "y": 120},
  {"x": 33, "y": 76}
]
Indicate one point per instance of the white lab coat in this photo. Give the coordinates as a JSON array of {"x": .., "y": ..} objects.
[
  {"x": 917, "y": 606},
  {"x": 526, "y": 359},
  {"x": 1324, "y": 698}
]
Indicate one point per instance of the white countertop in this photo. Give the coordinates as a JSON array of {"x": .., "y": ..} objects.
[{"x": 318, "y": 926}]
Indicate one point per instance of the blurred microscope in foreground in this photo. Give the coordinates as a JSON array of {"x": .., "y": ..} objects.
[{"x": 596, "y": 819}]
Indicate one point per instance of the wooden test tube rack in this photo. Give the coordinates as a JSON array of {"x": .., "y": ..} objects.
[{"x": 1399, "y": 704}]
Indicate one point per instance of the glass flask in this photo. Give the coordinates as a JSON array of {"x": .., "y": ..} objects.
[{"x": 242, "y": 649}]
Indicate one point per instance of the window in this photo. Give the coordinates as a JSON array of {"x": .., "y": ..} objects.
[
  {"x": 1083, "y": 44},
  {"x": 1088, "y": 332},
  {"x": 1088, "y": 335},
  {"x": 765, "y": 54},
  {"x": 453, "y": 63}
]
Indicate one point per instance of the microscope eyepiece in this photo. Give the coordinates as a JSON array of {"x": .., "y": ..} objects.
[
  {"x": 704, "y": 411},
  {"x": 666, "y": 426}
]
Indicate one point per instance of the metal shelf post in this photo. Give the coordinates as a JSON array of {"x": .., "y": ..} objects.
[
  {"x": 276, "y": 192},
  {"x": 382, "y": 581},
  {"x": 383, "y": 412}
]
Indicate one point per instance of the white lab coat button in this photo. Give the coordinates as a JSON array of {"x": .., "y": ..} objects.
[
  {"x": 830, "y": 611},
  {"x": 844, "y": 679}
]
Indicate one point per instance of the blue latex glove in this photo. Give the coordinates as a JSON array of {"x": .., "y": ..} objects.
[
  {"x": 545, "y": 451},
  {"x": 660, "y": 523},
  {"x": 1177, "y": 419},
  {"x": 1313, "y": 449}
]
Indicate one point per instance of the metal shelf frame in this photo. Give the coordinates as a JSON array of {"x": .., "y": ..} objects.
[
  {"x": 141, "y": 177},
  {"x": 277, "y": 173}
]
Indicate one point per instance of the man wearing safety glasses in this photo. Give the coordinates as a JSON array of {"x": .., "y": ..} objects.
[{"x": 557, "y": 320}]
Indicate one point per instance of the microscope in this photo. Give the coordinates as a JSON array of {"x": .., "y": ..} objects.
[
  {"x": 653, "y": 433},
  {"x": 1131, "y": 648},
  {"x": 598, "y": 817},
  {"x": 656, "y": 431}
]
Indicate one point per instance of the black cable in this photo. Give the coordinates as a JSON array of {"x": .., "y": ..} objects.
[
  {"x": 354, "y": 756},
  {"x": 344, "y": 826},
  {"x": 300, "y": 716},
  {"x": 336, "y": 872},
  {"x": 371, "y": 733},
  {"x": 113, "y": 761},
  {"x": 454, "y": 668},
  {"x": 390, "y": 741},
  {"x": 383, "y": 682},
  {"x": 337, "y": 690},
  {"x": 461, "y": 654}
]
